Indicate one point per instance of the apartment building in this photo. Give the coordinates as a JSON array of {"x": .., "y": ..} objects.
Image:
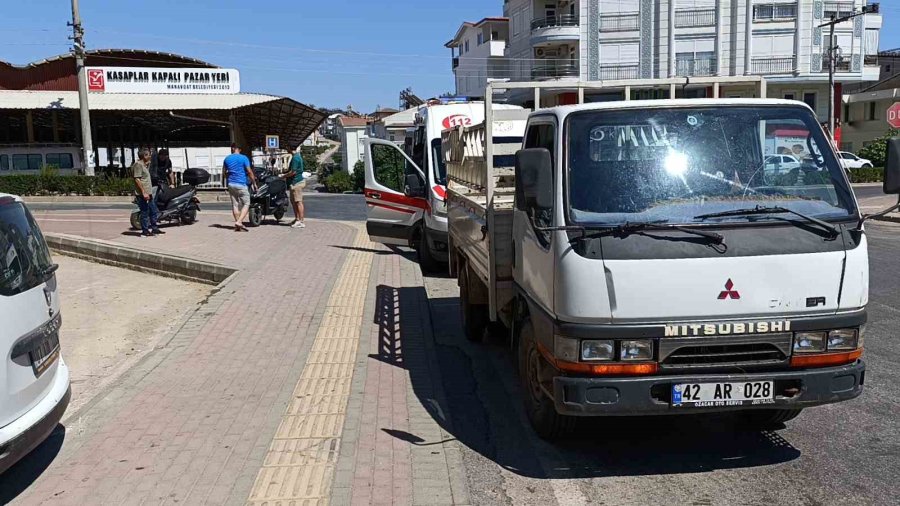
[
  {"x": 351, "y": 131},
  {"x": 478, "y": 52},
  {"x": 646, "y": 40}
]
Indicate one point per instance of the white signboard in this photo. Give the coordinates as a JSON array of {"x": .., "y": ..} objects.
[{"x": 163, "y": 80}]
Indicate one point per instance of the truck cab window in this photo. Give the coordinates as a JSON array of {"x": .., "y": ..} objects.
[{"x": 542, "y": 135}]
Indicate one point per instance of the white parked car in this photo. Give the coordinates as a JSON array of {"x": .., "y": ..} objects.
[
  {"x": 851, "y": 161},
  {"x": 34, "y": 379},
  {"x": 779, "y": 164}
]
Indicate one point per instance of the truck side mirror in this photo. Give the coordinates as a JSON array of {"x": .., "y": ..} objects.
[
  {"x": 414, "y": 187},
  {"x": 892, "y": 167},
  {"x": 534, "y": 178}
]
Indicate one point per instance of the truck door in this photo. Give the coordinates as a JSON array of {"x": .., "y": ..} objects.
[{"x": 394, "y": 206}]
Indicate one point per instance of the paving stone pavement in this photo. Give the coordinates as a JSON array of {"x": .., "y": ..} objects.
[{"x": 309, "y": 378}]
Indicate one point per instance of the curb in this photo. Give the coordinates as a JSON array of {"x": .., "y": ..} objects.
[
  {"x": 150, "y": 262},
  {"x": 79, "y": 199}
]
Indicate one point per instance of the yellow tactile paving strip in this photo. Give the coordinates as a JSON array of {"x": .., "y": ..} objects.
[{"x": 300, "y": 464}]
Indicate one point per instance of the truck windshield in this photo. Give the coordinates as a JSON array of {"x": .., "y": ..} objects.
[
  {"x": 440, "y": 168},
  {"x": 676, "y": 164},
  {"x": 24, "y": 257}
]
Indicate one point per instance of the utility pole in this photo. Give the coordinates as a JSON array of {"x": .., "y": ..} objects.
[
  {"x": 78, "y": 50},
  {"x": 833, "y": 52}
]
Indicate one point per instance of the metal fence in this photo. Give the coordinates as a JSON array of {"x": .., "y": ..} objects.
[
  {"x": 695, "y": 66},
  {"x": 620, "y": 22},
  {"x": 553, "y": 21},
  {"x": 776, "y": 65},
  {"x": 687, "y": 18},
  {"x": 619, "y": 71}
]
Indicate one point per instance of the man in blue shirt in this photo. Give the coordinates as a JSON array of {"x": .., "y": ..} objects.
[
  {"x": 238, "y": 172},
  {"x": 295, "y": 180}
]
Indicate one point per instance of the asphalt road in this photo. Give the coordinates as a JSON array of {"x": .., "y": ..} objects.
[
  {"x": 318, "y": 206},
  {"x": 847, "y": 453}
]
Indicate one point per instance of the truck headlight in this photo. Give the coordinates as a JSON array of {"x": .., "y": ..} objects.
[
  {"x": 636, "y": 349},
  {"x": 809, "y": 342},
  {"x": 843, "y": 340},
  {"x": 592, "y": 350}
]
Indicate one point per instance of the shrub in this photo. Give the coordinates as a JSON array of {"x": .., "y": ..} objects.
[
  {"x": 875, "y": 175},
  {"x": 339, "y": 182},
  {"x": 49, "y": 183},
  {"x": 877, "y": 149}
]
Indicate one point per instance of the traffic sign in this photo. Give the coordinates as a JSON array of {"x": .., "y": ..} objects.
[
  {"x": 893, "y": 115},
  {"x": 272, "y": 141}
]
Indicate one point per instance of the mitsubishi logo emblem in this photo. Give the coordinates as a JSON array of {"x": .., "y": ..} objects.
[{"x": 729, "y": 292}]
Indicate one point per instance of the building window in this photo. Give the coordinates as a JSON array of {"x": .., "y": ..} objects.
[
  {"x": 4, "y": 162},
  {"x": 789, "y": 96},
  {"x": 27, "y": 162},
  {"x": 480, "y": 39},
  {"x": 467, "y": 46},
  {"x": 774, "y": 11},
  {"x": 872, "y": 114},
  {"x": 810, "y": 99},
  {"x": 61, "y": 160}
]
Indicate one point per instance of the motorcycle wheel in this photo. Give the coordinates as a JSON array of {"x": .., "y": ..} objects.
[
  {"x": 279, "y": 213},
  {"x": 136, "y": 221},
  {"x": 189, "y": 217},
  {"x": 255, "y": 216}
]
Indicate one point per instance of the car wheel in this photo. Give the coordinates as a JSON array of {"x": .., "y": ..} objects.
[
  {"x": 867, "y": 166},
  {"x": 541, "y": 411}
]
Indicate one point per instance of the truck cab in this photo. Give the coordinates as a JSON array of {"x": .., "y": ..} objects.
[
  {"x": 646, "y": 263},
  {"x": 406, "y": 190}
]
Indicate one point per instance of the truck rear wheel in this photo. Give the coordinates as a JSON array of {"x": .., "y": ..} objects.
[
  {"x": 762, "y": 419},
  {"x": 474, "y": 317},
  {"x": 545, "y": 420}
]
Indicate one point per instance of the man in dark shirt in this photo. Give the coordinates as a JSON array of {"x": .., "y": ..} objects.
[{"x": 163, "y": 175}]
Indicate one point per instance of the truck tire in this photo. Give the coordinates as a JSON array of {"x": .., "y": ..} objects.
[
  {"x": 427, "y": 262},
  {"x": 762, "y": 419},
  {"x": 474, "y": 317},
  {"x": 545, "y": 420}
]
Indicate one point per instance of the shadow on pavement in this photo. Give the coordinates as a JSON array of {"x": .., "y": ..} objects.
[
  {"x": 481, "y": 394},
  {"x": 19, "y": 477}
]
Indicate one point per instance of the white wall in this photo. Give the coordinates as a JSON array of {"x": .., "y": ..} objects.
[{"x": 351, "y": 146}]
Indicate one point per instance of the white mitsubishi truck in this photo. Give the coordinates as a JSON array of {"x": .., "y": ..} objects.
[{"x": 647, "y": 261}]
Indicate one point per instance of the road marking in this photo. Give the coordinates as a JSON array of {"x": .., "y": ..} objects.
[{"x": 300, "y": 464}]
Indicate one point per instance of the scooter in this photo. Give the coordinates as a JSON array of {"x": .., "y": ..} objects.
[
  {"x": 178, "y": 204},
  {"x": 271, "y": 198}
]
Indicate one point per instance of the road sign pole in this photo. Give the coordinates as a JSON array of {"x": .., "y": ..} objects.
[{"x": 831, "y": 54}]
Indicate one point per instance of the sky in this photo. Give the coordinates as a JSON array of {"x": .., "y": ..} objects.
[{"x": 331, "y": 53}]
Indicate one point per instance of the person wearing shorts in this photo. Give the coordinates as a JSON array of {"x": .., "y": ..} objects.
[
  {"x": 238, "y": 172},
  {"x": 298, "y": 184}
]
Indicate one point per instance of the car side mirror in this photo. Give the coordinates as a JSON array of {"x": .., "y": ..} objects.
[
  {"x": 892, "y": 167},
  {"x": 414, "y": 187},
  {"x": 534, "y": 178}
]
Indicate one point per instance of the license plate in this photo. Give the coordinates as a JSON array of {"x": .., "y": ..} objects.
[
  {"x": 45, "y": 354},
  {"x": 709, "y": 395}
]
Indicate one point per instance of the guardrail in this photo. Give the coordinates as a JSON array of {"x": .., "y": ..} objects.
[
  {"x": 553, "y": 21},
  {"x": 690, "y": 18},
  {"x": 620, "y": 22},
  {"x": 704, "y": 66},
  {"x": 619, "y": 71},
  {"x": 777, "y": 65},
  {"x": 555, "y": 71}
]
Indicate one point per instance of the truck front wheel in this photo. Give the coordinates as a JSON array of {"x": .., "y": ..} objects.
[
  {"x": 763, "y": 419},
  {"x": 474, "y": 317},
  {"x": 545, "y": 420}
]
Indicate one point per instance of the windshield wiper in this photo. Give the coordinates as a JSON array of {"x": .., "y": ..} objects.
[
  {"x": 640, "y": 226},
  {"x": 750, "y": 211}
]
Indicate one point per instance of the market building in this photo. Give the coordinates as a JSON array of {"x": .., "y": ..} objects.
[{"x": 138, "y": 98}]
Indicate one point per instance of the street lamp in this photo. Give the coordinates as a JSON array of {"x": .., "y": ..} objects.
[{"x": 834, "y": 52}]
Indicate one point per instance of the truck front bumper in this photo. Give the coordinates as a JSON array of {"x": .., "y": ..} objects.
[{"x": 651, "y": 395}]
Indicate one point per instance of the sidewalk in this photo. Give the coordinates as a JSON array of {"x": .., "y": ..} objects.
[{"x": 308, "y": 378}]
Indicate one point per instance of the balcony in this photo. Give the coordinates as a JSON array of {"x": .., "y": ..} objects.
[
  {"x": 841, "y": 63},
  {"x": 695, "y": 67},
  {"x": 774, "y": 12},
  {"x": 838, "y": 9},
  {"x": 870, "y": 60},
  {"x": 554, "y": 71},
  {"x": 776, "y": 65},
  {"x": 695, "y": 18},
  {"x": 619, "y": 71},
  {"x": 554, "y": 29},
  {"x": 620, "y": 23}
]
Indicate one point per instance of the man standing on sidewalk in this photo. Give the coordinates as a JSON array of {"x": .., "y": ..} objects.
[
  {"x": 298, "y": 184},
  {"x": 238, "y": 172},
  {"x": 143, "y": 185}
]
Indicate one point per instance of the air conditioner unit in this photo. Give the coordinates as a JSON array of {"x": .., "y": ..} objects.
[{"x": 540, "y": 52}]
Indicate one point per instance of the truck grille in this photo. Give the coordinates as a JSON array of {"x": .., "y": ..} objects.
[{"x": 724, "y": 351}]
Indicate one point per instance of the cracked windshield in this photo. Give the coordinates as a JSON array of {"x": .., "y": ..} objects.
[{"x": 474, "y": 253}]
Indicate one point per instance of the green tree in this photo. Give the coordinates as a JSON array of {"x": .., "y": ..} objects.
[
  {"x": 310, "y": 158},
  {"x": 339, "y": 182},
  {"x": 877, "y": 149},
  {"x": 359, "y": 176}
]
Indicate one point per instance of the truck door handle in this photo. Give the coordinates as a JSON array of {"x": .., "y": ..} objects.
[{"x": 375, "y": 195}]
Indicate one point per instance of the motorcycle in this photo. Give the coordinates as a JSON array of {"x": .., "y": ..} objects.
[
  {"x": 270, "y": 198},
  {"x": 178, "y": 204}
]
